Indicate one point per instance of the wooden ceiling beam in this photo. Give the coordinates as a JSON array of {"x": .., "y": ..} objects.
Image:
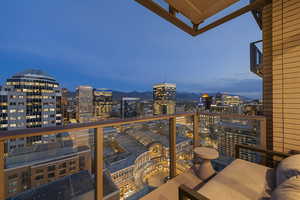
[
  {"x": 156, "y": 8},
  {"x": 253, "y": 6}
]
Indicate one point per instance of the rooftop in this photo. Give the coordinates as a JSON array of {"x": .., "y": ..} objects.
[{"x": 33, "y": 73}]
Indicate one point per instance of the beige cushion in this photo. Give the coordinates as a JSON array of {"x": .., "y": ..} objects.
[
  {"x": 189, "y": 179},
  {"x": 169, "y": 190},
  {"x": 240, "y": 180},
  {"x": 288, "y": 190},
  {"x": 288, "y": 168}
]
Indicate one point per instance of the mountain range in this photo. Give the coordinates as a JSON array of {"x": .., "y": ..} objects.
[
  {"x": 180, "y": 96},
  {"x": 147, "y": 95}
]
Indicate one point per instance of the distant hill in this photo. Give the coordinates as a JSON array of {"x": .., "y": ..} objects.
[{"x": 180, "y": 96}]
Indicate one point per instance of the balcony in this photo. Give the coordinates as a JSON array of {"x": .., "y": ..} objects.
[
  {"x": 256, "y": 59},
  {"x": 121, "y": 159}
]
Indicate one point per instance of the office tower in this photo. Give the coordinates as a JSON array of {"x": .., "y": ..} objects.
[
  {"x": 205, "y": 101},
  {"x": 233, "y": 100},
  {"x": 102, "y": 103},
  {"x": 84, "y": 104},
  {"x": 164, "y": 98},
  {"x": 131, "y": 107},
  {"x": 29, "y": 99},
  {"x": 64, "y": 105},
  {"x": 218, "y": 99},
  {"x": 32, "y": 100}
]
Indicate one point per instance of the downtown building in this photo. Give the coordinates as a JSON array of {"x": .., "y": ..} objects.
[
  {"x": 33, "y": 99},
  {"x": 164, "y": 99},
  {"x": 29, "y": 99},
  {"x": 92, "y": 104},
  {"x": 131, "y": 107},
  {"x": 84, "y": 104},
  {"x": 68, "y": 104},
  {"x": 102, "y": 102}
]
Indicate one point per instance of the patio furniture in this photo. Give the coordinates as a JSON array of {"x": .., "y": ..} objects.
[
  {"x": 206, "y": 155},
  {"x": 245, "y": 180},
  {"x": 241, "y": 180}
]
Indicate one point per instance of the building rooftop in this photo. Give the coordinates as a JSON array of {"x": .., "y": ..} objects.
[
  {"x": 127, "y": 158},
  {"x": 70, "y": 187},
  {"x": 164, "y": 85},
  {"x": 33, "y": 73},
  {"x": 63, "y": 189},
  {"x": 42, "y": 155},
  {"x": 134, "y": 142}
]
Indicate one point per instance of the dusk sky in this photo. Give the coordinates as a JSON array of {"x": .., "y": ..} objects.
[{"x": 120, "y": 45}]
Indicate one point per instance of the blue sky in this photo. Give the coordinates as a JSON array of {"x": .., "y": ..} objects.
[{"x": 120, "y": 45}]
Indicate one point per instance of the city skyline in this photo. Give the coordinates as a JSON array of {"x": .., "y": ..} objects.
[
  {"x": 126, "y": 61},
  {"x": 140, "y": 92}
]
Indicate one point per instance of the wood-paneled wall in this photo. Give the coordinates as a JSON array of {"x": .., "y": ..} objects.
[{"x": 282, "y": 73}]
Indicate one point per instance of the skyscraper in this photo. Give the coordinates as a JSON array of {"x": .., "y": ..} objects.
[
  {"x": 205, "y": 101},
  {"x": 131, "y": 107},
  {"x": 102, "y": 103},
  {"x": 29, "y": 99},
  {"x": 84, "y": 104},
  {"x": 164, "y": 98}
]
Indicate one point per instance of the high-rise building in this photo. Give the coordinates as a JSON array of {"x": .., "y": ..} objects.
[
  {"x": 205, "y": 101},
  {"x": 231, "y": 132},
  {"x": 233, "y": 100},
  {"x": 164, "y": 98},
  {"x": 64, "y": 105},
  {"x": 29, "y": 99},
  {"x": 102, "y": 103},
  {"x": 131, "y": 107},
  {"x": 84, "y": 104}
]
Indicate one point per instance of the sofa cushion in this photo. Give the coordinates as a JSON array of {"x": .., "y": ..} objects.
[
  {"x": 169, "y": 190},
  {"x": 288, "y": 168},
  {"x": 288, "y": 190},
  {"x": 240, "y": 180}
]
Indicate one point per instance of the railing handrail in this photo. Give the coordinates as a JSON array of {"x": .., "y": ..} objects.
[
  {"x": 21, "y": 133},
  {"x": 224, "y": 115}
]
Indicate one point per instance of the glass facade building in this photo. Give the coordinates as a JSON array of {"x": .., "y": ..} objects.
[{"x": 164, "y": 98}]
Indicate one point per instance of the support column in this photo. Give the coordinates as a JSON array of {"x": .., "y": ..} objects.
[
  {"x": 196, "y": 130},
  {"x": 99, "y": 163},
  {"x": 172, "y": 146}
]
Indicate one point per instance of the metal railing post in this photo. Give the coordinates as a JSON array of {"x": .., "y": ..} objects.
[
  {"x": 196, "y": 130},
  {"x": 99, "y": 163},
  {"x": 237, "y": 151},
  {"x": 263, "y": 141},
  {"x": 172, "y": 146}
]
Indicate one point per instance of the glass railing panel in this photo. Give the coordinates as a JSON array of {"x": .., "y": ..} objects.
[
  {"x": 184, "y": 144},
  {"x": 57, "y": 166},
  {"x": 223, "y": 133},
  {"x": 137, "y": 157}
]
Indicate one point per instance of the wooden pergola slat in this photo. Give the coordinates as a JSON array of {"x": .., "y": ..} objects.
[{"x": 194, "y": 29}]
